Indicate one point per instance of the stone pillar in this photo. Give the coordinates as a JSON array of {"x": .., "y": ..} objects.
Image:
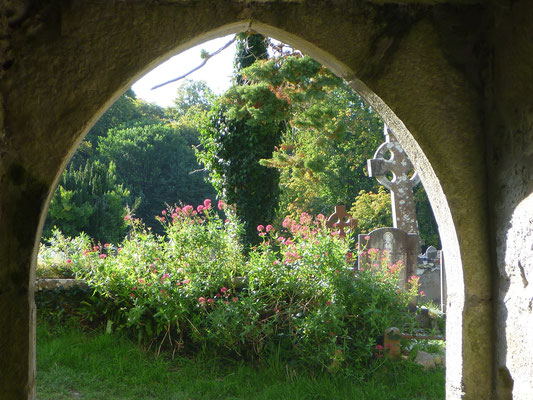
[{"x": 21, "y": 200}]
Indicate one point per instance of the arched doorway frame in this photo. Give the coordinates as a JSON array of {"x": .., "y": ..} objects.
[
  {"x": 422, "y": 165},
  {"x": 73, "y": 48}
]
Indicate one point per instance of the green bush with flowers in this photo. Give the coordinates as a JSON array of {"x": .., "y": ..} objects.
[{"x": 298, "y": 294}]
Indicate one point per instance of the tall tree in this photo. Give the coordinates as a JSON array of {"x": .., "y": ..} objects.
[
  {"x": 238, "y": 132},
  {"x": 322, "y": 157}
]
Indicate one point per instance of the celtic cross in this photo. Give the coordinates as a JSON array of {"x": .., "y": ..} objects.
[
  {"x": 341, "y": 219},
  {"x": 401, "y": 182}
]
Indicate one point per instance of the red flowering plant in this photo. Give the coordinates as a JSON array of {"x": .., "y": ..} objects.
[
  {"x": 297, "y": 293},
  {"x": 323, "y": 309},
  {"x": 155, "y": 281}
]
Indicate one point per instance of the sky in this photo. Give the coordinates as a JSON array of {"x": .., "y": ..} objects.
[{"x": 217, "y": 72}]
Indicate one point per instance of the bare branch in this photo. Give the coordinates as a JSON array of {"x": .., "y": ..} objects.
[{"x": 207, "y": 57}]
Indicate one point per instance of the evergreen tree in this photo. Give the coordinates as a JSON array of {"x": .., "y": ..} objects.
[
  {"x": 156, "y": 163},
  {"x": 89, "y": 199}
]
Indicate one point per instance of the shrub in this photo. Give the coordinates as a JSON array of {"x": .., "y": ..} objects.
[
  {"x": 56, "y": 254},
  {"x": 297, "y": 294}
]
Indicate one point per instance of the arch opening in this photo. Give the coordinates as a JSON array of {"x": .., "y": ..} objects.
[{"x": 428, "y": 176}]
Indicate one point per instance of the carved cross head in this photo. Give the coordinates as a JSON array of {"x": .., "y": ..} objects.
[{"x": 340, "y": 220}]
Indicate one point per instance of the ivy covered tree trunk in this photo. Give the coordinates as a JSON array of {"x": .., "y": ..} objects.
[
  {"x": 240, "y": 131},
  {"x": 232, "y": 150}
]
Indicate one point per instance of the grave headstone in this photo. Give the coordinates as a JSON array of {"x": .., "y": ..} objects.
[
  {"x": 429, "y": 272},
  {"x": 393, "y": 169},
  {"x": 399, "y": 246},
  {"x": 431, "y": 253},
  {"x": 340, "y": 220}
]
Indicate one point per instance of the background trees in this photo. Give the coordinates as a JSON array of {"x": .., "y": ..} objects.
[
  {"x": 155, "y": 162},
  {"x": 89, "y": 198},
  {"x": 138, "y": 156},
  {"x": 289, "y": 136}
]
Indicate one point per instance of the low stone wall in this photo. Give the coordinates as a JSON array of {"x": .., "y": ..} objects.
[{"x": 52, "y": 284}]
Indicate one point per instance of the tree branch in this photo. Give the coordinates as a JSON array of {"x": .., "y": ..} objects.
[{"x": 207, "y": 57}]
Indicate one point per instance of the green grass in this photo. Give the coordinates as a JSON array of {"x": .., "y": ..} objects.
[{"x": 72, "y": 364}]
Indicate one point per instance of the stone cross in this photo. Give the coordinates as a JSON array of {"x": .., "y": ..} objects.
[
  {"x": 340, "y": 219},
  {"x": 400, "y": 183}
]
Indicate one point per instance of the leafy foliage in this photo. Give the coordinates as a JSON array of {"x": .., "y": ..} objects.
[
  {"x": 322, "y": 157},
  {"x": 155, "y": 162},
  {"x": 372, "y": 210},
  {"x": 249, "y": 49},
  {"x": 297, "y": 293},
  {"x": 427, "y": 225},
  {"x": 191, "y": 96},
  {"x": 89, "y": 199}
]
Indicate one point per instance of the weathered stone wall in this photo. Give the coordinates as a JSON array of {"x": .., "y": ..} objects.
[
  {"x": 510, "y": 122},
  {"x": 451, "y": 80}
]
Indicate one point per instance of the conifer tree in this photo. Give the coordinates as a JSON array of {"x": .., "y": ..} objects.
[{"x": 89, "y": 199}]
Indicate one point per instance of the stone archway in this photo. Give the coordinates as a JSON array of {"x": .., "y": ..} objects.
[{"x": 70, "y": 64}]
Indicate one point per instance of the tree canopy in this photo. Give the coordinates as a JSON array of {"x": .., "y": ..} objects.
[
  {"x": 137, "y": 156},
  {"x": 288, "y": 137}
]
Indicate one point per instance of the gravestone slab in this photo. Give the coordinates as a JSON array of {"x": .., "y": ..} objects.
[
  {"x": 398, "y": 246},
  {"x": 429, "y": 272}
]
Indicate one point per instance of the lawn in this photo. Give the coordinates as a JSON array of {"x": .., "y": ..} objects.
[{"x": 76, "y": 364}]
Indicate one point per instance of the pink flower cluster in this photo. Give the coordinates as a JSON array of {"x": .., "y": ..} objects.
[
  {"x": 224, "y": 296},
  {"x": 187, "y": 210},
  {"x": 291, "y": 256}
]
